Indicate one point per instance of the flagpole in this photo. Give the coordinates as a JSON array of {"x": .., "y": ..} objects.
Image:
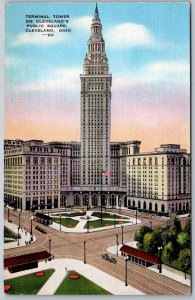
[{"x": 100, "y": 193}]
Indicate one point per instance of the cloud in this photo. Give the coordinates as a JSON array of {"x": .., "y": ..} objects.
[
  {"x": 161, "y": 71},
  {"x": 27, "y": 38},
  {"x": 82, "y": 23},
  {"x": 129, "y": 35},
  {"x": 66, "y": 79},
  {"x": 12, "y": 61},
  {"x": 177, "y": 71}
]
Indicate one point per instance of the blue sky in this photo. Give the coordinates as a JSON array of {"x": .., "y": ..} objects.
[{"x": 147, "y": 45}]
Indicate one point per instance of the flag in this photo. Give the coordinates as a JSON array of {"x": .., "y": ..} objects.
[{"x": 105, "y": 173}]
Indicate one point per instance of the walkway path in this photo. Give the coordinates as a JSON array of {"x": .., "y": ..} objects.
[
  {"x": 25, "y": 236},
  {"x": 106, "y": 281}
]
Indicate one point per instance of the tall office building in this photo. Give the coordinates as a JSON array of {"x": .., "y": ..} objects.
[{"x": 95, "y": 109}]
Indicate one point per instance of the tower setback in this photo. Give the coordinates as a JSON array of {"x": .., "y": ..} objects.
[{"x": 95, "y": 109}]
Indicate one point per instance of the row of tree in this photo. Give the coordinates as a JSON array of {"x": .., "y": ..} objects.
[{"x": 175, "y": 242}]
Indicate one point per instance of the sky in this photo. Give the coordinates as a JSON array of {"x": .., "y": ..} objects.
[{"x": 148, "y": 51}]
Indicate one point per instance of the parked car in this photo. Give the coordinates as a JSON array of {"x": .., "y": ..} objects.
[
  {"x": 113, "y": 260},
  {"x": 40, "y": 229},
  {"x": 105, "y": 256}
]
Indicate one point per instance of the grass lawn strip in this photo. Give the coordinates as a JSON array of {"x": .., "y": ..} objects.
[
  {"x": 67, "y": 222},
  {"x": 8, "y": 233},
  {"x": 106, "y": 215},
  {"x": 81, "y": 286},
  {"x": 105, "y": 223},
  {"x": 27, "y": 284},
  {"x": 76, "y": 214}
]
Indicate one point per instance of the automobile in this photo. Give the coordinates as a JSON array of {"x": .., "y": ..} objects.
[
  {"x": 37, "y": 228},
  {"x": 43, "y": 230},
  {"x": 113, "y": 260},
  {"x": 105, "y": 256}
]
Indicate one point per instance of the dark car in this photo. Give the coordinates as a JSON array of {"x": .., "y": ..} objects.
[
  {"x": 113, "y": 260},
  {"x": 105, "y": 256},
  {"x": 37, "y": 228}
]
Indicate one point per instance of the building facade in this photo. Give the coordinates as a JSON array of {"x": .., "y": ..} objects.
[
  {"x": 159, "y": 181},
  {"x": 95, "y": 110},
  {"x": 59, "y": 174}
]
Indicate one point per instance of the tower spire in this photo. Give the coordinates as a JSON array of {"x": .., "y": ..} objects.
[{"x": 96, "y": 9}]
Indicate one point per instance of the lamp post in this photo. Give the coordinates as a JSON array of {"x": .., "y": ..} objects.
[
  {"x": 150, "y": 224},
  {"x": 122, "y": 227},
  {"x": 101, "y": 207},
  {"x": 160, "y": 250},
  {"x": 19, "y": 219},
  {"x": 87, "y": 224},
  {"x": 60, "y": 221},
  {"x": 117, "y": 244},
  {"x": 18, "y": 236},
  {"x": 31, "y": 230},
  {"x": 119, "y": 211},
  {"x": 65, "y": 204},
  {"x": 84, "y": 252},
  {"x": 8, "y": 215},
  {"x": 42, "y": 206},
  {"x": 50, "y": 245},
  {"x": 126, "y": 260},
  {"x": 136, "y": 215}
]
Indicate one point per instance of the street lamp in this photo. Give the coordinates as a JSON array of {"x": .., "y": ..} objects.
[
  {"x": 136, "y": 215},
  {"x": 160, "y": 250},
  {"x": 122, "y": 227},
  {"x": 150, "y": 224},
  {"x": 49, "y": 245},
  {"x": 19, "y": 219},
  {"x": 87, "y": 223},
  {"x": 126, "y": 260},
  {"x": 18, "y": 235},
  {"x": 31, "y": 230},
  {"x": 65, "y": 204},
  {"x": 84, "y": 252},
  {"x": 60, "y": 221},
  {"x": 101, "y": 207},
  {"x": 119, "y": 211},
  {"x": 8, "y": 215},
  {"x": 42, "y": 206},
  {"x": 117, "y": 244}
]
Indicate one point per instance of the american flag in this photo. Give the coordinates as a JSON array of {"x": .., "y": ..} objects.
[{"x": 105, "y": 173}]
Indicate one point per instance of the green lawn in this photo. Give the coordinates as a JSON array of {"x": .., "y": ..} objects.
[
  {"x": 66, "y": 222},
  {"x": 97, "y": 223},
  {"x": 28, "y": 284},
  {"x": 10, "y": 234},
  {"x": 81, "y": 286},
  {"x": 75, "y": 214},
  {"x": 106, "y": 215}
]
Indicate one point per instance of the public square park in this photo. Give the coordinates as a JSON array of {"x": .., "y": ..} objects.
[{"x": 82, "y": 252}]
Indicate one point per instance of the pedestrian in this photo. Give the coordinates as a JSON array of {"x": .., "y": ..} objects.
[{"x": 66, "y": 269}]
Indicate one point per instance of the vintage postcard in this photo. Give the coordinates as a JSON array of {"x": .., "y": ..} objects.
[{"x": 97, "y": 163}]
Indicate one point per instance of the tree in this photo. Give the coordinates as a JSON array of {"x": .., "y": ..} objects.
[
  {"x": 183, "y": 239},
  {"x": 152, "y": 240},
  {"x": 139, "y": 235},
  {"x": 168, "y": 252},
  {"x": 185, "y": 260}
]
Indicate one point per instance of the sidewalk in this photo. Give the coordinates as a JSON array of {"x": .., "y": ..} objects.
[
  {"x": 106, "y": 281},
  {"x": 166, "y": 270},
  {"x": 25, "y": 236}
]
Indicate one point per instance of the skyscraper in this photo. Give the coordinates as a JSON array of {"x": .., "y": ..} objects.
[{"x": 95, "y": 109}]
